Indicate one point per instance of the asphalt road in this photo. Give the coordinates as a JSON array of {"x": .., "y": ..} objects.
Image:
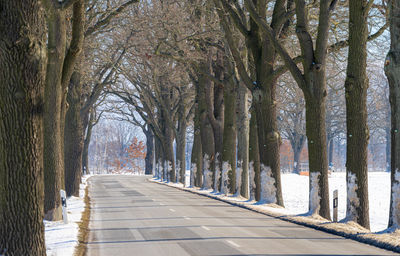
[{"x": 131, "y": 216}]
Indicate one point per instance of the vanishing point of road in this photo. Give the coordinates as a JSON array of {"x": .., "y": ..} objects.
[{"x": 132, "y": 216}]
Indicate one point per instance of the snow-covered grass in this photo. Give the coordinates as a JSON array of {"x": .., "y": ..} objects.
[
  {"x": 295, "y": 195},
  {"x": 61, "y": 239},
  {"x": 296, "y": 198}
]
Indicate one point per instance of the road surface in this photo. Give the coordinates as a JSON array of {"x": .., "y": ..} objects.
[{"x": 132, "y": 216}]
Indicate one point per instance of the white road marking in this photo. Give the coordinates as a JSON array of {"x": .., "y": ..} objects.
[
  {"x": 204, "y": 227},
  {"x": 233, "y": 243},
  {"x": 172, "y": 210},
  {"x": 162, "y": 204},
  {"x": 187, "y": 218}
]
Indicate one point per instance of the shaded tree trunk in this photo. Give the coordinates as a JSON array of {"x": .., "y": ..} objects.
[
  {"x": 22, "y": 83},
  {"x": 297, "y": 143},
  {"x": 356, "y": 87},
  {"x": 73, "y": 137},
  {"x": 254, "y": 153},
  {"x": 53, "y": 157},
  {"x": 197, "y": 154},
  {"x": 243, "y": 138},
  {"x": 392, "y": 70},
  {"x": 230, "y": 132},
  {"x": 206, "y": 133},
  {"x": 181, "y": 140},
  {"x": 85, "y": 153},
  {"x": 149, "y": 151},
  {"x": 330, "y": 153}
]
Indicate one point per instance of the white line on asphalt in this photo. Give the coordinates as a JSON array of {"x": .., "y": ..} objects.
[
  {"x": 187, "y": 218},
  {"x": 172, "y": 210},
  {"x": 233, "y": 243},
  {"x": 162, "y": 204},
  {"x": 205, "y": 227}
]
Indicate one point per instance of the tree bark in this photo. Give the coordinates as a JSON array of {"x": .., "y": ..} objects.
[
  {"x": 85, "y": 153},
  {"x": 22, "y": 82},
  {"x": 254, "y": 154},
  {"x": 181, "y": 140},
  {"x": 356, "y": 86},
  {"x": 392, "y": 70},
  {"x": 206, "y": 133},
  {"x": 297, "y": 143},
  {"x": 197, "y": 154},
  {"x": 230, "y": 133},
  {"x": 149, "y": 151},
  {"x": 53, "y": 157},
  {"x": 317, "y": 155},
  {"x": 243, "y": 138},
  {"x": 73, "y": 137}
]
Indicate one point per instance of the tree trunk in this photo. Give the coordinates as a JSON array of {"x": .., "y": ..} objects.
[
  {"x": 73, "y": 137},
  {"x": 243, "y": 139},
  {"x": 85, "y": 153},
  {"x": 254, "y": 155},
  {"x": 22, "y": 83},
  {"x": 388, "y": 151},
  {"x": 53, "y": 157},
  {"x": 230, "y": 132},
  {"x": 330, "y": 153},
  {"x": 356, "y": 86},
  {"x": 392, "y": 70},
  {"x": 196, "y": 158},
  {"x": 181, "y": 141},
  {"x": 149, "y": 151},
  {"x": 268, "y": 136},
  {"x": 207, "y": 137},
  {"x": 317, "y": 154},
  {"x": 297, "y": 143}
]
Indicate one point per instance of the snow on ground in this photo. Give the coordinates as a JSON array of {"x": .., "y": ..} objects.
[
  {"x": 295, "y": 195},
  {"x": 61, "y": 239}
]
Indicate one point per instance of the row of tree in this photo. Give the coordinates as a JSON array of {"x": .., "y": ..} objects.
[{"x": 207, "y": 59}]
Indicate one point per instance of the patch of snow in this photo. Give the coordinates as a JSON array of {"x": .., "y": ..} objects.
[
  {"x": 353, "y": 201},
  {"x": 226, "y": 167},
  {"x": 268, "y": 189},
  {"x": 314, "y": 193},
  {"x": 61, "y": 239}
]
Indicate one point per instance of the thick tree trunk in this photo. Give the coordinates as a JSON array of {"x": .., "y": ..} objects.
[
  {"x": 268, "y": 137},
  {"x": 159, "y": 158},
  {"x": 149, "y": 151},
  {"x": 356, "y": 86},
  {"x": 243, "y": 139},
  {"x": 53, "y": 157},
  {"x": 22, "y": 83},
  {"x": 254, "y": 156},
  {"x": 317, "y": 154},
  {"x": 73, "y": 137},
  {"x": 392, "y": 70},
  {"x": 388, "y": 149},
  {"x": 229, "y": 135}
]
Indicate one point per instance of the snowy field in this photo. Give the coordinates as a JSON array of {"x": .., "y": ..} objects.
[
  {"x": 295, "y": 195},
  {"x": 61, "y": 239}
]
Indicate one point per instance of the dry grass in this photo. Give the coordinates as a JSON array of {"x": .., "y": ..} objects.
[{"x": 83, "y": 235}]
